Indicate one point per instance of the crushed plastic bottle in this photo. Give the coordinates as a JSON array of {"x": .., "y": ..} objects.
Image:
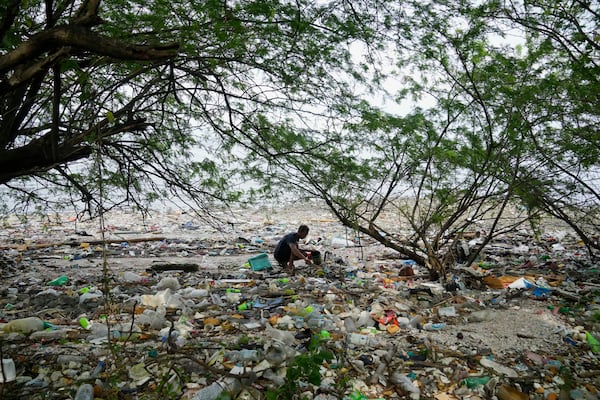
[
  {"x": 481, "y": 316},
  {"x": 60, "y": 281},
  {"x": 280, "y": 335},
  {"x": 25, "y": 325},
  {"x": 403, "y": 381},
  {"x": 474, "y": 381},
  {"x": 217, "y": 390},
  {"x": 279, "y": 353},
  {"x": 499, "y": 368},
  {"x": 132, "y": 277}
]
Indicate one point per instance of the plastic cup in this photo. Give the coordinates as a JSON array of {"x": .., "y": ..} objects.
[{"x": 8, "y": 372}]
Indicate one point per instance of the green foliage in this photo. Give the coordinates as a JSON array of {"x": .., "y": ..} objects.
[
  {"x": 241, "y": 74},
  {"x": 305, "y": 369},
  {"x": 442, "y": 111}
]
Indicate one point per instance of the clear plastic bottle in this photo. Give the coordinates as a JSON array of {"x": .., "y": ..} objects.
[
  {"x": 210, "y": 392},
  {"x": 85, "y": 392},
  {"x": 216, "y": 390},
  {"x": 362, "y": 340},
  {"x": 434, "y": 326},
  {"x": 315, "y": 320},
  {"x": 242, "y": 355},
  {"x": 403, "y": 381},
  {"x": 132, "y": 277},
  {"x": 98, "y": 370},
  {"x": 299, "y": 322},
  {"x": 481, "y": 316}
]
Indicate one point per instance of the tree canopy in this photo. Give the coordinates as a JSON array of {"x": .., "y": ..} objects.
[
  {"x": 164, "y": 94},
  {"x": 489, "y": 106}
]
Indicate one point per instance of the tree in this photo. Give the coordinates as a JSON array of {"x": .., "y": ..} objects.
[
  {"x": 489, "y": 139},
  {"x": 559, "y": 106},
  {"x": 159, "y": 99},
  {"x": 174, "y": 99}
]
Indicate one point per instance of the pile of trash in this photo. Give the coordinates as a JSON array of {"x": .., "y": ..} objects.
[{"x": 177, "y": 309}]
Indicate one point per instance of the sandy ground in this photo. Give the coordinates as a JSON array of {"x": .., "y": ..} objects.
[{"x": 519, "y": 331}]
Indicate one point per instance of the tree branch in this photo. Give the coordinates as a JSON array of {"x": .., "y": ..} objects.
[{"x": 83, "y": 39}]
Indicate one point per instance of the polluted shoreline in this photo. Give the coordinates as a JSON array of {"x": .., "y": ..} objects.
[{"x": 169, "y": 306}]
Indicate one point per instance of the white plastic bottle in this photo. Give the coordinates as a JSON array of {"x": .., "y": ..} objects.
[{"x": 359, "y": 339}]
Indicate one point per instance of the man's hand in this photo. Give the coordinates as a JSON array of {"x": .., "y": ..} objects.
[{"x": 308, "y": 261}]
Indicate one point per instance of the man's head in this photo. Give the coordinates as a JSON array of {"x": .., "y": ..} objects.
[{"x": 302, "y": 231}]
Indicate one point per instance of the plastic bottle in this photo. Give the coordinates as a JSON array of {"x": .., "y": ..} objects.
[
  {"x": 8, "y": 372},
  {"x": 474, "y": 381},
  {"x": 364, "y": 319},
  {"x": 349, "y": 324},
  {"x": 403, "y": 381},
  {"x": 242, "y": 355},
  {"x": 430, "y": 326},
  {"x": 132, "y": 277},
  {"x": 279, "y": 353},
  {"x": 447, "y": 311},
  {"x": 216, "y": 390},
  {"x": 61, "y": 280},
  {"x": 358, "y": 339},
  {"x": 85, "y": 323},
  {"x": 85, "y": 392},
  {"x": 98, "y": 370},
  {"x": 280, "y": 335},
  {"x": 499, "y": 368},
  {"x": 24, "y": 325},
  {"x": 315, "y": 321},
  {"x": 299, "y": 322},
  {"x": 481, "y": 316},
  {"x": 416, "y": 322}
]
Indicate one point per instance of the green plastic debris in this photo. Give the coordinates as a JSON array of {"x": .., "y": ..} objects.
[
  {"x": 474, "y": 381},
  {"x": 324, "y": 335},
  {"x": 61, "y": 280},
  {"x": 593, "y": 342},
  {"x": 356, "y": 395}
]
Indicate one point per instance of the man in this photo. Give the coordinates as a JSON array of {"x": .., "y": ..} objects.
[{"x": 287, "y": 251}]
